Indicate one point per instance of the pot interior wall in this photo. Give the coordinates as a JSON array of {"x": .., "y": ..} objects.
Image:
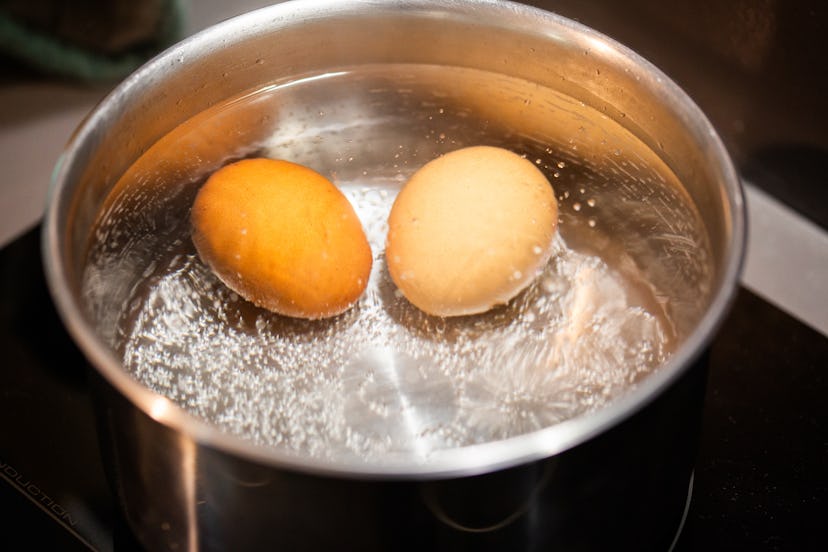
[{"x": 209, "y": 69}]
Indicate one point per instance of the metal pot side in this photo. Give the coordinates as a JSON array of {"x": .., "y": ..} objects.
[{"x": 629, "y": 487}]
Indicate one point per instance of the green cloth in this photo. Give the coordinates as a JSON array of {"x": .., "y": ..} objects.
[{"x": 52, "y": 55}]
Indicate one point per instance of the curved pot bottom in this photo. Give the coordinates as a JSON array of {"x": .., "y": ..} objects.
[{"x": 624, "y": 489}]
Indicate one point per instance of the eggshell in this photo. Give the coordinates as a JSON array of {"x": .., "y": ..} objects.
[
  {"x": 470, "y": 230},
  {"x": 283, "y": 237}
]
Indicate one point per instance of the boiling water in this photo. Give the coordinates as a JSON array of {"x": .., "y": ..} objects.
[{"x": 384, "y": 378}]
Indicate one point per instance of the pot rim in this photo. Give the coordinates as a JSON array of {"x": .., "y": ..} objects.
[{"x": 455, "y": 462}]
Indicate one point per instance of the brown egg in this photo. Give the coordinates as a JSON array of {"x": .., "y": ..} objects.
[
  {"x": 283, "y": 237},
  {"x": 470, "y": 230}
]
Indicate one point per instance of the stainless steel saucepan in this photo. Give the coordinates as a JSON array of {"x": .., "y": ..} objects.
[{"x": 566, "y": 420}]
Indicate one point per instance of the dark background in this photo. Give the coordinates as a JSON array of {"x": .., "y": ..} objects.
[{"x": 758, "y": 70}]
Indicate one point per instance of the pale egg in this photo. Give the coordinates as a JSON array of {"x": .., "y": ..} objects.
[{"x": 470, "y": 230}]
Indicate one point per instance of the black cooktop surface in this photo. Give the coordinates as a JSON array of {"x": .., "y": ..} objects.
[{"x": 761, "y": 480}]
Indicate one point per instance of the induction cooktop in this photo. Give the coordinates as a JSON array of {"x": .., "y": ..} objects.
[{"x": 761, "y": 481}]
